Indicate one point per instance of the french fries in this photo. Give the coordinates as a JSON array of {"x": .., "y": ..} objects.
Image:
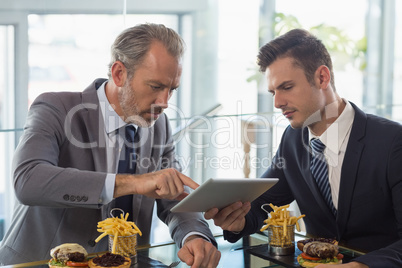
[
  {"x": 121, "y": 230},
  {"x": 279, "y": 221}
]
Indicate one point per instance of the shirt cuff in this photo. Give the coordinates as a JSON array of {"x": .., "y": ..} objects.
[
  {"x": 194, "y": 233},
  {"x": 108, "y": 189}
]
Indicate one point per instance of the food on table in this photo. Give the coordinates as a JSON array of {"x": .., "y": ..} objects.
[
  {"x": 110, "y": 260},
  {"x": 119, "y": 227},
  {"x": 279, "y": 220},
  {"x": 68, "y": 255},
  {"x": 317, "y": 252},
  {"x": 301, "y": 243}
]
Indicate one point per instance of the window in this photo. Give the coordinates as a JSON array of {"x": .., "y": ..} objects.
[
  {"x": 6, "y": 121},
  {"x": 397, "y": 87},
  {"x": 70, "y": 59}
]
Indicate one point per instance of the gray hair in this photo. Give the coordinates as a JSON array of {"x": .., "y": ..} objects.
[{"x": 131, "y": 46}]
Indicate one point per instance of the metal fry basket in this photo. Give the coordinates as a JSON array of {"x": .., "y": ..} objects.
[
  {"x": 125, "y": 245},
  {"x": 281, "y": 240}
]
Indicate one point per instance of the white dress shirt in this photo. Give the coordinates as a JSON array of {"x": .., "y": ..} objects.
[
  {"x": 114, "y": 143},
  {"x": 336, "y": 139}
]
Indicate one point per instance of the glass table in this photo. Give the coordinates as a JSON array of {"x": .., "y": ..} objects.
[{"x": 249, "y": 252}]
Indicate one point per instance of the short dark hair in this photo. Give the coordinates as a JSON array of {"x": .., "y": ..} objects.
[
  {"x": 131, "y": 46},
  {"x": 307, "y": 51}
]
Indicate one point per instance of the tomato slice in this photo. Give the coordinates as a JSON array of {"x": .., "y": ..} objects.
[
  {"x": 339, "y": 256},
  {"x": 77, "y": 264},
  {"x": 305, "y": 256}
]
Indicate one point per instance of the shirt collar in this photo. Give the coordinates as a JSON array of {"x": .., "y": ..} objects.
[
  {"x": 112, "y": 120},
  {"x": 336, "y": 133}
]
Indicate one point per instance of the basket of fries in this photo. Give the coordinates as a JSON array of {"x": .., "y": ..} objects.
[
  {"x": 123, "y": 245},
  {"x": 281, "y": 229},
  {"x": 122, "y": 234},
  {"x": 281, "y": 239}
]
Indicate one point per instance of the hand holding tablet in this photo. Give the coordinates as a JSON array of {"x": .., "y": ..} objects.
[{"x": 220, "y": 193}]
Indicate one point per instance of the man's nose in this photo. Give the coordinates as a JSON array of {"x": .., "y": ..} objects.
[
  {"x": 279, "y": 101},
  {"x": 163, "y": 98}
]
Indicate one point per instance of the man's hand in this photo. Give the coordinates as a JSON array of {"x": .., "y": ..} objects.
[
  {"x": 197, "y": 252},
  {"x": 345, "y": 265},
  {"x": 163, "y": 184},
  {"x": 230, "y": 218}
]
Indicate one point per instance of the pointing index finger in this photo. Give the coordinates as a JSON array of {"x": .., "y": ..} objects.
[{"x": 187, "y": 181}]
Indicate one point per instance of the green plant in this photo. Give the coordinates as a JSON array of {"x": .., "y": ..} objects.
[{"x": 342, "y": 48}]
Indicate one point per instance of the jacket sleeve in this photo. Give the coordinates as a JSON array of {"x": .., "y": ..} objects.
[{"x": 40, "y": 179}]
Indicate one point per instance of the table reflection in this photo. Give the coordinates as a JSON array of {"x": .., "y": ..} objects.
[{"x": 233, "y": 254}]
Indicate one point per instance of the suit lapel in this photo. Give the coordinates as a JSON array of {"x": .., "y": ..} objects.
[
  {"x": 350, "y": 167},
  {"x": 93, "y": 120}
]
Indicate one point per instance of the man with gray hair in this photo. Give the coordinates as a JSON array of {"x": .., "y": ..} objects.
[{"x": 68, "y": 169}]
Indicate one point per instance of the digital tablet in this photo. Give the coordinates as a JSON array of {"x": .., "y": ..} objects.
[{"x": 220, "y": 193}]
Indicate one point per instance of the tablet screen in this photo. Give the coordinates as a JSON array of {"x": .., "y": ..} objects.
[{"x": 220, "y": 193}]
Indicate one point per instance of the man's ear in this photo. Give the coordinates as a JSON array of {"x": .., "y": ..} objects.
[
  {"x": 119, "y": 73},
  {"x": 323, "y": 76}
]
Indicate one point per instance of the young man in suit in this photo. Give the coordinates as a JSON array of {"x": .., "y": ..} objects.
[
  {"x": 67, "y": 176},
  {"x": 363, "y": 154}
]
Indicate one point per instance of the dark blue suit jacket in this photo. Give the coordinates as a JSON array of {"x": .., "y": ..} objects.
[{"x": 370, "y": 196}]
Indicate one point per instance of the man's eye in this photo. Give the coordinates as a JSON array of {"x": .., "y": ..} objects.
[{"x": 155, "y": 87}]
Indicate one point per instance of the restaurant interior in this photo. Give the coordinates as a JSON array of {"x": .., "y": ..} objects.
[{"x": 223, "y": 119}]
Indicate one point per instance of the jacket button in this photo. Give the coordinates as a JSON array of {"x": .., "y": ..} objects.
[
  {"x": 84, "y": 198},
  {"x": 72, "y": 198},
  {"x": 66, "y": 197}
]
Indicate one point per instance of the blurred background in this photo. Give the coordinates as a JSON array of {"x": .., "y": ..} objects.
[{"x": 223, "y": 118}]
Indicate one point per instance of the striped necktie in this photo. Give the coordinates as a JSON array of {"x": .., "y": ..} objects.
[
  {"x": 127, "y": 165},
  {"x": 319, "y": 169}
]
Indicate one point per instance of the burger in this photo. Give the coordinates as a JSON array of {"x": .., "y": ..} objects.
[
  {"x": 317, "y": 252},
  {"x": 110, "y": 260},
  {"x": 68, "y": 255},
  {"x": 301, "y": 243}
]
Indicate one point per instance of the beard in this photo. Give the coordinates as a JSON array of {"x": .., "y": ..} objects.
[{"x": 130, "y": 108}]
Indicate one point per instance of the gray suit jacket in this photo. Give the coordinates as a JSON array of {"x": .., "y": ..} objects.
[{"x": 59, "y": 173}]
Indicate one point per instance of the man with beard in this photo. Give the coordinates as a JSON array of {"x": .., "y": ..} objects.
[
  {"x": 67, "y": 174},
  {"x": 361, "y": 156}
]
